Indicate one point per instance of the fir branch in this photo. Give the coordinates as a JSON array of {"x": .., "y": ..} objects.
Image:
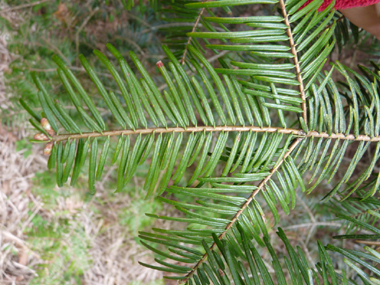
[
  {"x": 296, "y": 132},
  {"x": 295, "y": 59},
  {"x": 245, "y": 205}
]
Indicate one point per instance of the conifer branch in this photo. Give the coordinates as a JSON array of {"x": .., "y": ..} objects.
[
  {"x": 184, "y": 104},
  {"x": 296, "y": 132},
  {"x": 295, "y": 59},
  {"x": 245, "y": 205}
]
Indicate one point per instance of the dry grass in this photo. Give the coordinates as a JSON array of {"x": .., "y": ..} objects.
[
  {"x": 15, "y": 196},
  {"x": 112, "y": 250},
  {"x": 16, "y": 199}
]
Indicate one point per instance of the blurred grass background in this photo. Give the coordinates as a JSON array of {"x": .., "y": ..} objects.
[{"x": 51, "y": 235}]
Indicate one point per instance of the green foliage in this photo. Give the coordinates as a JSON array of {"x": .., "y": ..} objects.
[{"x": 271, "y": 80}]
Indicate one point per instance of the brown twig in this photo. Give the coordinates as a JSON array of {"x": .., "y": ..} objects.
[
  {"x": 23, "y": 6},
  {"x": 313, "y": 224},
  {"x": 295, "y": 132},
  {"x": 244, "y": 206},
  {"x": 93, "y": 12},
  {"x": 57, "y": 50},
  {"x": 130, "y": 41},
  {"x": 193, "y": 30},
  {"x": 138, "y": 19},
  {"x": 295, "y": 59},
  {"x": 367, "y": 242},
  {"x": 178, "y": 130}
]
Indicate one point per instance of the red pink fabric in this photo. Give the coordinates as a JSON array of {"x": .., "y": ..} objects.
[{"x": 345, "y": 4}]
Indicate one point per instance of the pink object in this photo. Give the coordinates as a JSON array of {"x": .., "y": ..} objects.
[{"x": 344, "y": 4}]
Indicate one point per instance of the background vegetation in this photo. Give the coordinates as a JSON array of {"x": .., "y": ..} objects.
[
  {"x": 71, "y": 238},
  {"x": 52, "y": 235}
]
